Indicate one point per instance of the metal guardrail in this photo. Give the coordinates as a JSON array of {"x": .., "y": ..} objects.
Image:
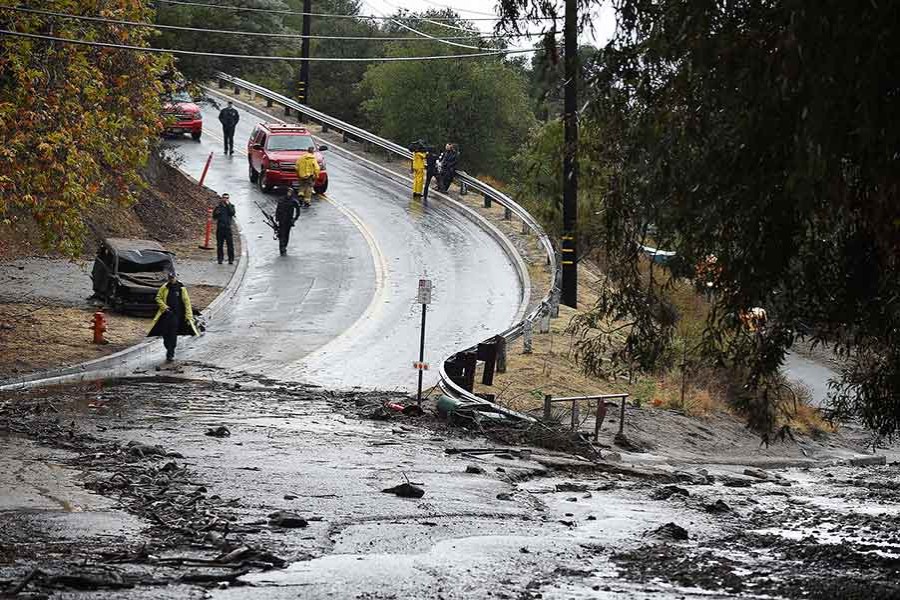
[{"x": 549, "y": 303}]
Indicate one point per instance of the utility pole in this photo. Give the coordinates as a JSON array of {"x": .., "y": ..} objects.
[
  {"x": 304, "y": 53},
  {"x": 570, "y": 158}
]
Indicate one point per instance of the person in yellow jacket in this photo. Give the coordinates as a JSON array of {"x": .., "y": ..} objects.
[
  {"x": 174, "y": 315},
  {"x": 307, "y": 172},
  {"x": 418, "y": 168}
]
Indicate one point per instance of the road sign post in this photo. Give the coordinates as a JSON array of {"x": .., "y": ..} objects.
[{"x": 424, "y": 298}]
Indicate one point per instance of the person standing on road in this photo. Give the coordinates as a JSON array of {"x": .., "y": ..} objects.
[
  {"x": 431, "y": 170},
  {"x": 307, "y": 172},
  {"x": 286, "y": 214},
  {"x": 174, "y": 315},
  {"x": 449, "y": 161},
  {"x": 229, "y": 118},
  {"x": 418, "y": 168},
  {"x": 224, "y": 215}
]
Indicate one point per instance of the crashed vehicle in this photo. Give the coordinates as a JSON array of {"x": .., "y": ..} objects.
[{"x": 128, "y": 273}]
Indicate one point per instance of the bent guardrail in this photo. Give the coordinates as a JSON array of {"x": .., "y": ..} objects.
[{"x": 456, "y": 384}]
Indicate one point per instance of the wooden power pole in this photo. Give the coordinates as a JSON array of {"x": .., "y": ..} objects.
[
  {"x": 570, "y": 159},
  {"x": 304, "y": 53}
]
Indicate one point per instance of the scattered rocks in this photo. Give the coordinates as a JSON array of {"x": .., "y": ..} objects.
[
  {"x": 717, "y": 507},
  {"x": 287, "y": 519},
  {"x": 733, "y": 481},
  {"x": 666, "y": 492},
  {"x": 571, "y": 487},
  {"x": 219, "y": 432},
  {"x": 475, "y": 470},
  {"x": 867, "y": 461},
  {"x": 671, "y": 531},
  {"x": 756, "y": 473},
  {"x": 504, "y": 496},
  {"x": 405, "y": 490}
]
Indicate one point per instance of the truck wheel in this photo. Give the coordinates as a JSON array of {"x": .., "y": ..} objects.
[
  {"x": 196, "y": 135},
  {"x": 253, "y": 174},
  {"x": 264, "y": 185}
]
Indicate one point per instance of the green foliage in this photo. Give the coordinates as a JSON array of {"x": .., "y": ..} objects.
[
  {"x": 539, "y": 182},
  {"x": 199, "y": 68},
  {"x": 334, "y": 87},
  {"x": 763, "y": 134},
  {"x": 76, "y": 122},
  {"x": 480, "y": 104}
]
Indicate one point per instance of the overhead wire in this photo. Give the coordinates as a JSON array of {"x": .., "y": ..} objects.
[
  {"x": 419, "y": 38},
  {"x": 460, "y": 10},
  {"x": 260, "y": 57},
  {"x": 312, "y": 14}
]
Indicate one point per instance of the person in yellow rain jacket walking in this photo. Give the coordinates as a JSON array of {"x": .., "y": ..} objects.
[
  {"x": 174, "y": 315},
  {"x": 307, "y": 171},
  {"x": 418, "y": 168}
]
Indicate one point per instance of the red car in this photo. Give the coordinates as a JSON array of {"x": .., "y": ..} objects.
[
  {"x": 273, "y": 150},
  {"x": 182, "y": 116}
]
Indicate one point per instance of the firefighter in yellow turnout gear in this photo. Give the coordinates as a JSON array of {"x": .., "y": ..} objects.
[
  {"x": 307, "y": 172},
  {"x": 418, "y": 168}
]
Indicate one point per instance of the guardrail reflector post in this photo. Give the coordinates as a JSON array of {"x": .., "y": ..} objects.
[
  {"x": 463, "y": 188},
  {"x": 574, "y": 415},
  {"x": 526, "y": 337},
  {"x": 524, "y": 227},
  {"x": 554, "y": 304},
  {"x": 507, "y": 214},
  {"x": 269, "y": 103},
  {"x": 487, "y": 201},
  {"x": 324, "y": 127},
  {"x": 390, "y": 157},
  {"x": 344, "y": 137},
  {"x": 544, "y": 323}
]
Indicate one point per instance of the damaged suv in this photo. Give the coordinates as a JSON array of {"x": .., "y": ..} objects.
[{"x": 127, "y": 274}]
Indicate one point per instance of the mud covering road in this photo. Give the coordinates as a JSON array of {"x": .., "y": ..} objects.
[{"x": 119, "y": 491}]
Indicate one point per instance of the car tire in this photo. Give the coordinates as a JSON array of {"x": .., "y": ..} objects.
[
  {"x": 196, "y": 136},
  {"x": 254, "y": 176},
  {"x": 264, "y": 186},
  {"x": 321, "y": 189}
]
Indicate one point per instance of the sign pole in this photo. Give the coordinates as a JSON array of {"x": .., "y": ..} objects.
[
  {"x": 424, "y": 298},
  {"x": 421, "y": 353}
]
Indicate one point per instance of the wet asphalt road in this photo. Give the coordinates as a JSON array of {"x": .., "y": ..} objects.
[{"x": 339, "y": 309}]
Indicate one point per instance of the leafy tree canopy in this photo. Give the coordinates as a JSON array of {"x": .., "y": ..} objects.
[
  {"x": 762, "y": 134},
  {"x": 480, "y": 104},
  {"x": 75, "y": 122}
]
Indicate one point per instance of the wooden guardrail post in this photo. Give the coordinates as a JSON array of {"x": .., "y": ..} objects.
[
  {"x": 501, "y": 354},
  {"x": 237, "y": 91},
  {"x": 487, "y": 201},
  {"x": 222, "y": 84},
  {"x": 269, "y": 103},
  {"x": 507, "y": 213},
  {"x": 548, "y": 404}
]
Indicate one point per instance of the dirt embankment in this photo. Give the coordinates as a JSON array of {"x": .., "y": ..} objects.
[{"x": 45, "y": 311}]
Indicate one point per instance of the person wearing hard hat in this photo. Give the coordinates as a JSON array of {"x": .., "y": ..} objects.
[
  {"x": 418, "y": 168},
  {"x": 174, "y": 315},
  {"x": 307, "y": 172}
]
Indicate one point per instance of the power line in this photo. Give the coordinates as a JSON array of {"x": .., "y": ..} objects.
[
  {"x": 465, "y": 10},
  {"x": 246, "y": 33},
  {"x": 260, "y": 57},
  {"x": 321, "y": 15}
]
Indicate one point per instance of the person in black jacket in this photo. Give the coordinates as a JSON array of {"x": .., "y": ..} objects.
[
  {"x": 223, "y": 215},
  {"x": 431, "y": 170},
  {"x": 229, "y": 118},
  {"x": 286, "y": 214},
  {"x": 449, "y": 162}
]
